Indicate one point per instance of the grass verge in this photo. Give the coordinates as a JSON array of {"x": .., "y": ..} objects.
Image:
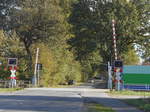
[
  {"x": 143, "y": 104},
  {"x": 93, "y": 107},
  {"x": 9, "y": 89},
  {"x": 126, "y": 92}
]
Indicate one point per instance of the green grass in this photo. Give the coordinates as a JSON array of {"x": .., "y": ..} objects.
[
  {"x": 125, "y": 92},
  {"x": 9, "y": 89},
  {"x": 93, "y": 107},
  {"x": 143, "y": 104}
]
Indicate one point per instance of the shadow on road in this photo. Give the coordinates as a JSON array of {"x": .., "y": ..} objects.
[
  {"x": 31, "y": 103},
  {"x": 40, "y": 103},
  {"x": 115, "y": 104}
]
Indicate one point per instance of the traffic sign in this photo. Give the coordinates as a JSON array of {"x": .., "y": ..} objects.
[
  {"x": 118, "y": 63},
  {"x": 12, "y": 61}
]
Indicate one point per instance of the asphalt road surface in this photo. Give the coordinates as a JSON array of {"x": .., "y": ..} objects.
[
  {"x": 41, "y": 100},
  {"x": 59, "y": 100}
]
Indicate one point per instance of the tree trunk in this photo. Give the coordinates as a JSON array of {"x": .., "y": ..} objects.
[{"x": 29, "y": 58}]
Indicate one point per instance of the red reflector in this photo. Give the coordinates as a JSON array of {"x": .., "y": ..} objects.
[
  {"x": 15, "y": 67},
  {"x": 121, "y": 70},
  {"x": 10, "y": 68}
]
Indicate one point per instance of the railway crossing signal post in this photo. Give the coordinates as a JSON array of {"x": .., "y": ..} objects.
[
  {"x": 109, "y": 76},
  {"x": 118, "y": 68},
  {"x": 118, "y": 64},
  {"x": 12, "y": 63}
]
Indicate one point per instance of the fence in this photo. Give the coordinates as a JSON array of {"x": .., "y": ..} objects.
[{"x": 19, "y": 84}]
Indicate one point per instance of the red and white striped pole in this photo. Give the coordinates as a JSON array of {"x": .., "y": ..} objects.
[
  {"x": 114, "y": 38},
  {"x": 117, "y": 74}
]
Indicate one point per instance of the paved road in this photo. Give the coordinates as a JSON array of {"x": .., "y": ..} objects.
[
  {"x": 106, "y": 100},
  {"x": 41, "y": 100},
  {"x": 59, "y": 100}
]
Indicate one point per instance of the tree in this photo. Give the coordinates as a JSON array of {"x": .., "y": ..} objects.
[
  {"x": 92, "y": 27},
  {"x": 53, "y": 52},
  {"x": 37, "y": 21},
  {"x": 84, "y": 43},
  {"x": 12, "y": 47},
  {"x": 32, "y": 21},
  {"x": 43, "y": 24},
  {"x": 131, "y": 58},
  {"x": 5, "y": 8},
  {"x": 143, "y": 33}
]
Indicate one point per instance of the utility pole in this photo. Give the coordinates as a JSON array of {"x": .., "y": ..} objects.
[
  {"x": 35, "y": 69},
  {"x": 38, "y": 74}
]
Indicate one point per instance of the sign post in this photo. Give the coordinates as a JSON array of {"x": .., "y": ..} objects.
[
  {"x": 39, "y": 68},
  {"x": 13, "y": 77},
  {"x": 12, "y": 63},
  {"x": 118, "y": 66},
  {"x": 109, "y": 76}
]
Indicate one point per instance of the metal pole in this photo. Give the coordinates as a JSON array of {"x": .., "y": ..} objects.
[
  {"x": 38, "y": 75},
  {"x": 109, "y": 76},
  {"x": 35, "y": 69}
]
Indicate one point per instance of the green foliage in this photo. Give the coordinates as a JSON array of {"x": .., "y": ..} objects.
[
  {"x": 49, "y": 65},
  {"x": 9, "y": 89},
  {"x": 143, "y": 8},
  {"x": 37, "y": 20},
  {"x": 5, "y": 9},
  {"x": 12, "y": 47},
  {"x": 57, "y": 69},
  {"x": 43, "y": 24},
  {"x": 92, "y": 29},
  {"x": 57, "y": 25},
  {"x": 130, "y": 58},
  {"x": 4, "y": 72},
  {"x": 129, "y": 93}
]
